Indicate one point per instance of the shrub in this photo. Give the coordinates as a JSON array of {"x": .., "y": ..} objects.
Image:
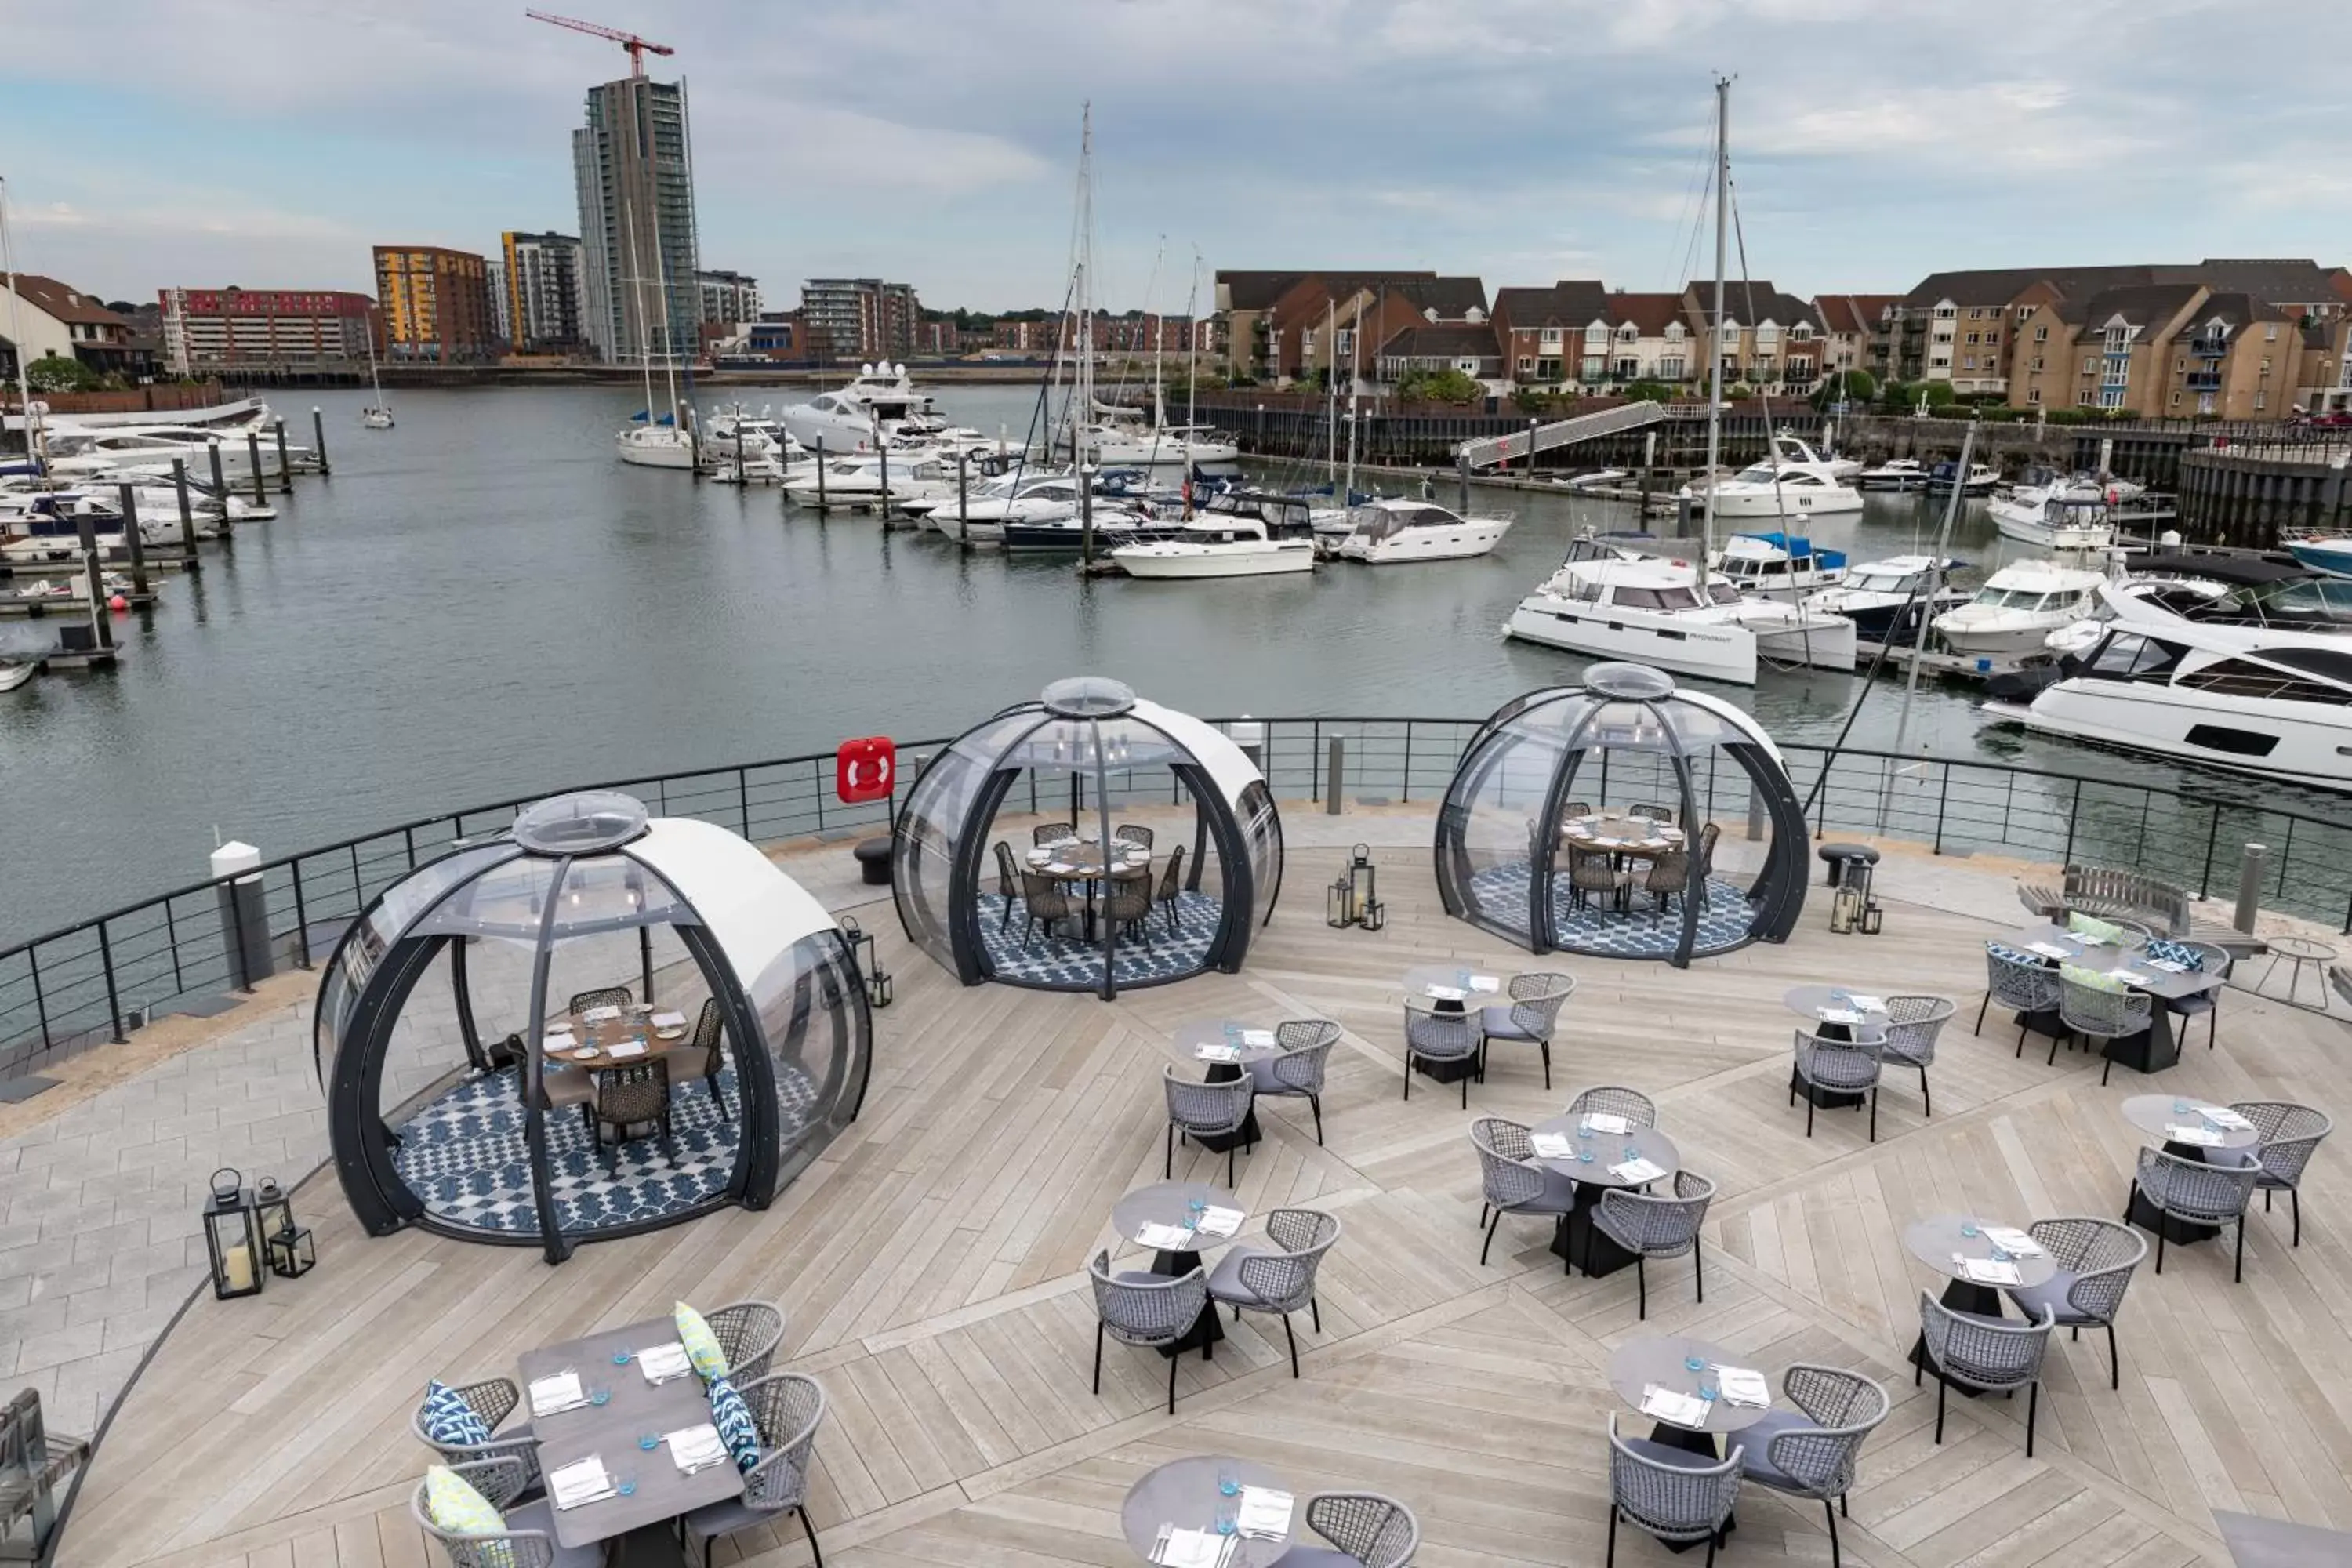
[{"x": 55, "y": 373}]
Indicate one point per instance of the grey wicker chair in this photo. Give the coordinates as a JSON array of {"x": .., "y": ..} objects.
[
  {"x": 1172, "y": 889},
  {"x": 1126, "y": 909},
  {"x": 607, "y": 996},
  {"x": 1674, "y": 1494},
  {"x": 1668, "y": 874},
  {"x": 1260, "y": 1280},
  {"x": 1652, "y": 813},
  {"x": 747, "y": 1334},
  {"x": 1046, "y": 833},
  {"x": 636, "y": 1095},
  {"x": 2212, "y": 959},
  {"x": 1912, "y": 1024},
  {"x": 1205, "y": 1111},
  {"x": 1842, "y": 1067},
  {"x": 1298, "y": 1072},
  {"x": 2290, "y": 1136},
  {"x": 1532, "y": 1012},
  {"x": 1132, "y": 833},
  {"x": 705, "y": 1057},
  {"x": 1511, "y": 1182},
  {"x": 2096, "y": 1258},
  {"x": 1008, "y": 883},
  {"x": 1809, "y": 1451},
  {"x": 1365, "y": 1528},
  {"x": 786, "y": 1410},
  {"x": 2023, "y": 985},
  {"x": 1615, "y": 1100},
  {"x": 493, "y": 1399},
  {"x": 2201, "y": 1193},
  {"x": 1431, "y": 1035},
  {"x": 1591, "y": 871},
  {"x": 1147, "y": 1310},
  {"x": 1575, "y": 808},
  {"x": 1992, "y": 1355},
  {"x": 528, "y": 1540},
  {"x": 2095, "y": 1013},
  {"x": 1044, "y": 900},
  {"x": 1657, "y": 1227}
]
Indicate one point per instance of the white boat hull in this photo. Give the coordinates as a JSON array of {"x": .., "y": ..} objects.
[
  {"x": 675, "y": 453},
  {"x": 1733, "y": 507},
  {"x": 1713, "y": 650},
  {"x": 1178, "y": 560},
  {"x": 1812, "y": 641},
  {"x": 1999, "y": 639},
  {"x": 2025, "y": 525},
  {"x": 1472, "y": 537},
  {"x": 13, "y": 675},
  {"x": 2311, "y": 742}
]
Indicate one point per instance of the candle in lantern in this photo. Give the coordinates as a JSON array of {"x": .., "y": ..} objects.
[{"x": 236, "y": 1263}]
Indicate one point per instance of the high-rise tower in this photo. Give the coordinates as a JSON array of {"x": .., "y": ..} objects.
[{"x": 634, "y": 164}]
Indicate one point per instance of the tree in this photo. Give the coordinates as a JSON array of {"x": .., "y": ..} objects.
[
  {"x": 1935, "y": 393},
  {"x": 1439, "y": 386},
  {"x": 55, "y": 373},
  {"x": 1649, "y": 391},
  {"x": 1846, "y": 387}
]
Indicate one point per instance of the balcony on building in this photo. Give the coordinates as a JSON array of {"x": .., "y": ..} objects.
[{"x": 2204, "y": 381}]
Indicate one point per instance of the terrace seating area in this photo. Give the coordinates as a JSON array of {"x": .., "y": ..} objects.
[{"x": 946, "y": 1270}]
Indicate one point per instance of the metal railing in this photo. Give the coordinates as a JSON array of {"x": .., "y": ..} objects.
[{"x": 96, "y": 979}]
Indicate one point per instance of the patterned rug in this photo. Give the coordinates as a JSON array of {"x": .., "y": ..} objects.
[
  {"x": 464, "y": 1157},
  {"x": 1644, "y": 932},
  {"x": 1066, "y": 961}
]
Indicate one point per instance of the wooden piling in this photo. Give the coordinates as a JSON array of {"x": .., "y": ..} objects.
[{"x": 132, "y": 540}]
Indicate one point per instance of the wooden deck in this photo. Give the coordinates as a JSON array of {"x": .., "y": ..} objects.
[{"x": 932, "y": 1266}]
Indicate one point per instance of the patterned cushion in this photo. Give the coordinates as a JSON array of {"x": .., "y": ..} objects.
[
  {"x": 451, "y": 1423},
  {"x": 2176, "y": 953},
  {"x": 457, "y": 1506},
  {"x": 702, "y": 1344},
  {"x": 2094, "y": 929},
  {"x": 2091, "y": 979},
  {"x": 733, "y": 1419},
  {"x": 2015, "y": 954}
]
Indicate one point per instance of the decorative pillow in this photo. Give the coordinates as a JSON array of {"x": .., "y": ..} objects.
[
  {"x": 702, "y": 1344},
  {"x": 2015, "y": 954},
  {"x": 733, "y": 1419},
  {"x": 457, "y": 1506},
  {"x": 2176, "y": 953},
  {"x": 2094, "y": 928},
  {"x": 450, "y": 1422},
  {"x": 2090, "y": 979}
]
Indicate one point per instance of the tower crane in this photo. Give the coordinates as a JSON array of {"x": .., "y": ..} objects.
[{"x": 638, "y": 48}]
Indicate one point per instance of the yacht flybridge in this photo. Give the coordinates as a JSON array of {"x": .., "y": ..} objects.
[
  {"x": 1775, "y": 562},
  {"x": 1640, "y": 608},
  {"x": 879, "y": 402},
  {"x": 2017, "y": 608}
]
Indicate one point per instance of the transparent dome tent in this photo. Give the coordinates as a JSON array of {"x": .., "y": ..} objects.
[
  {"x": 1583, "y": 820},
  {"x": 592, "y": 1024},
  {"x": 1087, "y": 841}
]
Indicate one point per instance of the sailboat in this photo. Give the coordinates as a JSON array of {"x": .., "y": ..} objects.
[
  {"x": 377, "y": 416},
  {"x": 650, "y": 442}
]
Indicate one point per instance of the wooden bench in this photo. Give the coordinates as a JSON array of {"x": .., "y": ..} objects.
[
  {"x": 2101, "y": 890},
  {"x": 33, "y": 1461}
]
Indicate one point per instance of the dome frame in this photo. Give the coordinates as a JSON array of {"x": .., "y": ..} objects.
[{"x": 1618, "y": 708}]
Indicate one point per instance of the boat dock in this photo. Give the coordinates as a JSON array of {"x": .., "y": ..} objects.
[{"x": 1933, "y": 661}]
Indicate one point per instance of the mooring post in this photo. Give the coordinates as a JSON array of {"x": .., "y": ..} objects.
[
  {"x": 220, "y": 480},
  {"x": 1334, "y": 774},
  {"x": 963, "y": 501},
  {"x": 820, "y": 476},
  {"x": 1462, "y": 471},
  {"x": 883, "y": 447},
  {"x": 319, "y": 440},
  {"x": 2249, "y": 886},
  {"x": 253, "y": 457},
  {"x": 285, "y": 468},
  {"x": 187, "y": 512},
  {"x": 99, "y": 624},
  {"x": 138, "y": 546}
]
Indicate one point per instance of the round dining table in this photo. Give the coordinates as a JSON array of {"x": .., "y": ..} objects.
[
  {"x": 1665, "y": 1360},
  {"x": 1220, "y": 1034},
  {"x": 1170, "y": 1204},
  {"x": 1628, "y": 838},
  {"x": 1583, "y": 1244},
  {"x": 1083, "y": 862},
  {"x": 1942, "y": 1242},
  {"x": 1187, "y": 1494},
  {"x": 1828, "y": 1006},
  {"x": 2163, "y": 1115},
  {"x": 1483, "y": 987}
]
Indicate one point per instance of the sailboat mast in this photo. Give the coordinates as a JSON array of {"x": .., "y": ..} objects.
[
  {"x": 1331, "y": 390},
  {"x": 637, "y": 288},
  {"x": 670, "y": 348},
  {"x": 1354, "y": 371},
  {"x": 1714, "y": 338},
  {"x": 16, "y": 334}
]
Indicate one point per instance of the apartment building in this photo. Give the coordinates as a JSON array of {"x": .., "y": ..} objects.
[
  {"x": 1535, "y": 328},
  {"x": 1772, "y": 343},
  {"x": 215, "y": 329},
  {"x": 1470, "y": 349},
  {"x": 726, "y": 297},
  {"x": 863, "y": 319},
  {"x": 1314, "y": 327},
  {"x": 633, "y": 174},
  {"x": 544, "y": 292},
  {"x": 437, "y": 304},
  {"x": 1245, "y": 299},
  {"x": 1860, "y": 330}
]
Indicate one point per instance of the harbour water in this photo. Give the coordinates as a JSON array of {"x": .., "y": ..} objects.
[{"x": 484, "y": 602}]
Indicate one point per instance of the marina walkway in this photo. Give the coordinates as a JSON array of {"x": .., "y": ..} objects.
[{"x": 932, "y": 1267}]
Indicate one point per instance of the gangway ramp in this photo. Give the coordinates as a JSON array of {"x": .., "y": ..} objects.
[{"x": 1493, "y": 449}]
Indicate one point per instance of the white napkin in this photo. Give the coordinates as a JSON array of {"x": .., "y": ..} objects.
[
  {"x": 2168, "y": 965},
  {"x": 691, "y": 1447},
  {"x": 2047, "y": 950},
  {"x": 1257, "y": 1038},
  {"x": 1264, "y": 1512},
  {"x": 1551, "y": 1145},
  {"x": 1840, "y": 1016},
  {"x": 1214, "y": 1053},
  {"x": 1484, "y": 983},
  {"x": 667, "y": 1020},
  {"x": 560, "y": 1391},
  {"x": 1743, "y": 1385},
  {"x": 1164, "y": 1237},
  {"x": 563, "y": 1042},
  {"x": 662, "y": 1362},
  {"x": 561, "y": 1027},
  {"x": 1985, "y": 1271},
  {"x": 2016, "y": 1243},
  {"x": 1061, "y": 867},
  {"x": 1445, "y": 993},
  {"x": 600, "y": 1015},
  {"x": 1039, "y": 856},
  {"x": 1192, "y": 1549},
  {"x": 1604, "y": 1121},
  {"x": 1678, "y": 1409},
  {"x": 1867, "y": 1004},
  {"x": 583, "y": 1481},
  {"x": 2197, "y": 1137},
  {"x": 2229, "y": 1120},
  {"x": 627, "y": 1048},
  {"x": 1215, "y": 1221},
  {"x": 1635, "y": 1171},
  {"x": 2132, "y": 977}
]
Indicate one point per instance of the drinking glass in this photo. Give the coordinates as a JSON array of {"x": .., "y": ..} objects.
[
  {"x": 620, "y": 1358},
  {"x": 1228, "y": 1483},
  {"x": 600, "y": 1395},
  {"x": 648, "y": 1441},
  {"x": 1968, "y": 1230},
  {"x": 625, "y": 1484},
  {"x": 1693, "y": 1363}
]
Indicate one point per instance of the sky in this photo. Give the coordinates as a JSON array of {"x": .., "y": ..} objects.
[{"x": 271, "y": 143}]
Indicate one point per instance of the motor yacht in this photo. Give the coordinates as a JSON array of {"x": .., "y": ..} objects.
[
  {"x": 1214, "y": 545},
  {"x": 1649, "y": 611},
  {"x": 1123, "y": 439},
  {"x": 858, "y": 481},
  {"x": 100, "y": 451},
  {"x": 15, "y": 672},
  {"x": 1383, "y": 531},
  {"x": 1773, "y": 564},
  {"x": 1774, "y": 491},
  {"x": 1885, "y": 599},
  {"x": 2329, "y": 553},
  {"x": 878, "y": 404},
  {"x": 2053, "y": 518},
  {"x": 1791, "y": 447},
  {"x": 2018, "y": 608},
  {"x": 1896, "y": 474},
  {"x": 1981, "y": 477},
  {"x": 2266, "y": 701}
]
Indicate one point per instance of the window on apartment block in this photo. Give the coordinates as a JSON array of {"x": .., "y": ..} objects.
[
  {"x": 1992, "y": 339},
  {"x": 2090, "y": 365},
  {"x": 1673, "y": 332},
  {"x": 1466, "y": 366},
  {"x": 1551, "y": 337},
  {"x": 1972, "y": 337},
  {"x": 1596, "y": 336},
  {"x": 2041, "y": 334},
  {"x": 1941, "y": 362},
  {"x": 2037, "y": 361},
  {"x": 2023, "y": 312},
  {"x": 1527, "y": 364},
  {"x": 2033, "y": 394},
  {"x": 1976, "y": 313},
  {"x": 2266, "y": 367},
  {"x": 2176, "y": 397},
  {"x": 2270, "y": 334},
  {"x": 1672, "y": 369},
  {"x": 1946, "y": 313},
  {"x": 2260, "y": 399}
]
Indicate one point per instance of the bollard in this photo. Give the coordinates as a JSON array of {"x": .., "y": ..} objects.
[
  {"x": 1335, "y": 774},
  {"x": 244, "y": 914},
  {"x": 1461, "y": 469},
  {"x": 884, "y": 448},
  {"x": 319, "y": 440},
  {"x": 2250, "y": 887},
  {"x": 220, "y": 481},
  {"x": 1250, "y": 736},
  {"x": 253, "y": 456},
  {"x": 1086, "y": 514},
  {"x": 187, "y": 511},
  {"x": 820, "y": 476},
  {"x": 285, "y": 468},
  {"x": 99, "y": 624},
  {"x": 963, "y": 501},
  {"x": 1756, "y": 816},
  {"x": 131, "y": 537}
]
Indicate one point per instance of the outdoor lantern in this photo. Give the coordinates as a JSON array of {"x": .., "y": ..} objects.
[
  {"x": 879, "y": 987},
  {"x": 1339, "y": 905},
  {"x": 232, "y": 1239},
  {"x": 1873, "y": 919},
  {"x": 1363, "y": 890},
  {"x": 1845, "y": 909},
  {"x": 291, "y": 1251},
  {"x": 271, "y": 1211}
]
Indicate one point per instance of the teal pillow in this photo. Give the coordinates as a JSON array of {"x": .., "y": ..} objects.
[
  {"x": 2015, "y": 954},
  {"x": 449, "y": 1422},
  {"x": 733, "y": 1419},
  {"x": 2178, "y": 953}
]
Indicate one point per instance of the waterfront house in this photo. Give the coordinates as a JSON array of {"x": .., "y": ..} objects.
[
  {"x": 57, "y": 319},
  {"x": 1860, "y": 333},
  {"x": 1471, "y": 349},
  {"x": 1533, "y": 326},
  {"x": 1772, "y": 342},
  {"x": 1245, "y": 301}
]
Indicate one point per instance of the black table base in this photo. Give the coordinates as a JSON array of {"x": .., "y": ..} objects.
[
  {"x": 1207, "y": 1330},
  {"x": 653, "y": 1546},
  {"x": 1584, "y": 1244},
  {"x": 1217, "y": 1143},
  {"x": 1826, "y": 1099},
  {"x": 1690, "y": 1442},
  {"x": 2152, "y": 1049},
  {"x": 1960, "y": 1296}
]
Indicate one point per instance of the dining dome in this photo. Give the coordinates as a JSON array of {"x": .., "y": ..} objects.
[
  {"x": 1087, "y": 841},
  {"x": 594, "y": 1024},
  {"x": 1583, "y": 820}
]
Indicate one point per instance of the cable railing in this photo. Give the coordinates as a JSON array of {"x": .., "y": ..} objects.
[{"x": 99, "y": 978}]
